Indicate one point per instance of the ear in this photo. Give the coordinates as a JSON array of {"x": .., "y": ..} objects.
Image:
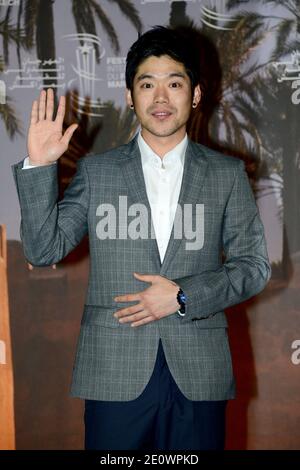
[
  {"x": 129, "y": 98},
  {"x": 197, "y": 94}
]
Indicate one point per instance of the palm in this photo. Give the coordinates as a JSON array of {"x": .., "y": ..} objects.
[{"x": 45, "y": 140}]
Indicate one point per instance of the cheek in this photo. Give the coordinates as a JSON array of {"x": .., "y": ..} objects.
[
  {"x": 183, "y": 99},
  {"x": 141, "y": 108},
  {"x": 141, "y": 102},
  {"x": 183, "y": 105}
]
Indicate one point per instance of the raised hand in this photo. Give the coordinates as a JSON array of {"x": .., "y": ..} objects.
[{"x": 45, "y": 140}]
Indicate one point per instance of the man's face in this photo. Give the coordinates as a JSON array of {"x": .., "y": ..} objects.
[{"x": 162, "y": 96}]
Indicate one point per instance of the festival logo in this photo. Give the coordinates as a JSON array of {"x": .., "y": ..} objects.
[{"x": 87, "y": 79}]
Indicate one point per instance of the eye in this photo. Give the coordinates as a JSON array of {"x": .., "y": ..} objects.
[
  {"x": 175, "y": 85},
  {"x": 146, "y": 85}
]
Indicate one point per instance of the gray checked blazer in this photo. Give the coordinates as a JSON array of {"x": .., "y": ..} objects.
[{"x": 115, "y": 361}]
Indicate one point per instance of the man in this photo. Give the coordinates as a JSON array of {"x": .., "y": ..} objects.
[{"x": 153, "y": 360}]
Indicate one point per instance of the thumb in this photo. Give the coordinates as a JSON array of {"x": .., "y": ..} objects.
[
  {"x": 145, "y": 277},
  {"x": 68, "y": 133}
]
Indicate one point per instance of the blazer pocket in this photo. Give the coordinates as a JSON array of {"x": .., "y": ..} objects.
[
  {"x": 215, "y": 320},
  {"x": 97, "y": 315}
]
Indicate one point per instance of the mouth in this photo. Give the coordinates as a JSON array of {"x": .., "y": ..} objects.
[{"x": 161, "y": 115}]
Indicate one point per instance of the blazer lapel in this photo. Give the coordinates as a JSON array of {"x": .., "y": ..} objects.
[
  {"x": 131, "y": 167},
  {"x": 195, "y": 167}
]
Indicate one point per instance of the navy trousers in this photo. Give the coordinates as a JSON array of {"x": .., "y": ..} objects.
[{"x": 161, "y": 418}]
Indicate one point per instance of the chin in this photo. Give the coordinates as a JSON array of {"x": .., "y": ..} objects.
[{"x": 162, "y": 132}]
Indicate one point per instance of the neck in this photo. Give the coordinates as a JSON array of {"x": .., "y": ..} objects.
[{"x": 163, "y": 145}]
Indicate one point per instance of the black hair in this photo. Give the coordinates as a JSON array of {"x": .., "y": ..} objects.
[{"x": 158, "y": 41}]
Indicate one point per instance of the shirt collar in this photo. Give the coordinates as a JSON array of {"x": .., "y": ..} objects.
[{"x": 171, "y": 158}]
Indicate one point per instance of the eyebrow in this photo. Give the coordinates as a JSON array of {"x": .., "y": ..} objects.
[{"x": 170, "y": 75}]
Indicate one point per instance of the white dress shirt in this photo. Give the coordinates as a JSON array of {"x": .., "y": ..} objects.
[
  {"x": 27, "y": 165},
  {"x": 163, "y": 179}
]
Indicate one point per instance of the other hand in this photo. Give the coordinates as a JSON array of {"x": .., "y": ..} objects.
[
  {"x": 45, "y": 140},
  {"x": 155, "y": 302}
]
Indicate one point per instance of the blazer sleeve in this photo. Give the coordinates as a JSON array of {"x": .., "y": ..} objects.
[
  {"x": 50, "y": 228},
  {"x": 246, "y": 269}
]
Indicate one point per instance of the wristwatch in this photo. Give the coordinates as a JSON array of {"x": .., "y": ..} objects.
[{"x": 181, "y": 299}]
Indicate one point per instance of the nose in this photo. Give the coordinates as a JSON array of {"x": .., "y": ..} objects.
[{"x": 161, "y": 94}]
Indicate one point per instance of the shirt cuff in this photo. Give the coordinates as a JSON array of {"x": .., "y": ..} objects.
[
  {"x": 181, "y": 314},
  {"x": 27, "y": 165}
]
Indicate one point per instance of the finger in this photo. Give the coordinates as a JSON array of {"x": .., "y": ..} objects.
[
  {"x": 61, "y": 110},
  {"x": 127, "y": 298},
  {"x": 49, "y": 105},
  {"x": 143, "y": 321},
  {"x": 42, "y": 105},
  {"x": 68, "y": 134},
  {"x": 134, "y": 317},
  {"x": 128, "y": 311},
  {"x": 34, "y": 113},
  {"x": 146, "y": 277}
]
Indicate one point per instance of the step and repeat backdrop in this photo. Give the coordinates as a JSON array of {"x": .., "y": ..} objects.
[{"x": 249, "y": 57}]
